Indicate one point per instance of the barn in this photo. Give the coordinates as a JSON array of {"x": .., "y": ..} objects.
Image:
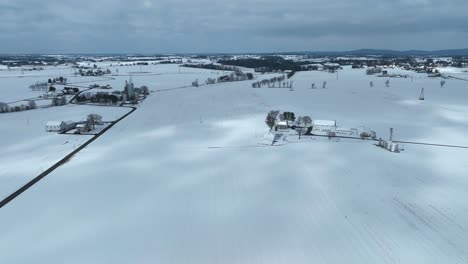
[
  {"x": 55, "y": 126},
  {"x": 323, "y": 127}
]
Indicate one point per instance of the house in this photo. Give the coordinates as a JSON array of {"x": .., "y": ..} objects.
[
  {"x": 282, "y": 126},
  {"x": 55, "y": 126}
]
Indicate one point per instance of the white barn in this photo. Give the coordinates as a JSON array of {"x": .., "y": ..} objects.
[
  {"x": 55, "y": 126},
  {"x": 323, "y": 127}
]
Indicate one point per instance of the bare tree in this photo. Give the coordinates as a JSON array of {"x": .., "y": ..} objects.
[
  {"x": 281, "y": 117},
  {"x": 299, "y": 128},
  {"x": 4, "y": 107},
  {"x": 32, "y": 104},
  {"x": 94, "y": 119},
  {"x": 307, "y": 121},
  {"x": 145, "y": 90},
  {"x": 270, "y": 120},
  {"x": 364, "y": 135}
]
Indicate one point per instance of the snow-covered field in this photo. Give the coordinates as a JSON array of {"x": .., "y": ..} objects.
[
  {"x": 27, "y": 149},
  {"x": 184, "y": 180}
]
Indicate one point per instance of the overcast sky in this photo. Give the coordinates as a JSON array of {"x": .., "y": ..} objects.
[{"x": 192, "y": 26}]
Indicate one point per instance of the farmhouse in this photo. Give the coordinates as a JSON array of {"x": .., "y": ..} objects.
[
  {"x": 55, "y": 126},
  {"x": 282, "y": 126}
]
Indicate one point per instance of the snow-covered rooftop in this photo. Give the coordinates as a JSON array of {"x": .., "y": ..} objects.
[
  {"x": 54, "y": 123},
  {"x": 323, "y": 122}
]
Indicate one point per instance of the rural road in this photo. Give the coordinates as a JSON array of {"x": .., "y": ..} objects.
[{"x": 30, "y": 184}]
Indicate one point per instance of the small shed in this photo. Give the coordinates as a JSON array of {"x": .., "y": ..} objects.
[
  {"x": 55, "y": 126},
  {"x": 82, "y": 128}
]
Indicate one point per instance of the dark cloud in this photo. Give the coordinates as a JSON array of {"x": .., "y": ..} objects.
[{"x": 151, "y": 26}]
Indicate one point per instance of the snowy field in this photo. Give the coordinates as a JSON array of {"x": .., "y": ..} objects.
[
  {"x": 28, "y": 150},
  {"x": 184, "y": 180},
  {"x": 15, "y": 83}
]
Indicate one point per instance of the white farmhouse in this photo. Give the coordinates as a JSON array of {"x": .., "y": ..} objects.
[
  {"x": 55, "y": 126},
  {"x": 282, "y": 126}
]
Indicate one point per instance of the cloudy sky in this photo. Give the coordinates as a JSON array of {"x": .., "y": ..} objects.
[{"x": 178, "y": 26}]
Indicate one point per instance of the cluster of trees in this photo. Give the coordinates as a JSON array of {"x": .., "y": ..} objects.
[
  {"x": 60, "y": 80},
  {"x": 100, "y": 97},
  {"x": 71, "y": 90},
  {"x": 265, "y": 64},
  {"x": 144, "y": 90},
  {"x": 93, "y": 120},
  {"x": 39, "y": 86},
  {"x": 235, "y": 76},
  {"x": 212, "y": 67},
  {"x": 273, "y": 82},
  {"x": 59, "y": 100},
  {"x": 300, "y": 124},
  {"x": 97, "y": 72},
  {"x": 5, "y": 108}
]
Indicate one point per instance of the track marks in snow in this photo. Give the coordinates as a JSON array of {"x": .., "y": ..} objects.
[{"x": 436, "y": 228}]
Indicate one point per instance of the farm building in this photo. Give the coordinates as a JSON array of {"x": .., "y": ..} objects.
[
  {"x": 55, "y": 126},
  {"x": 70, "y": 125},
  {"x": 281, "y": 126},
  {"x": 82, "y": 128},
  {"x": 332, "y": 66},
  {"x": 323, "y": 127},
  {"x": 324, "y": 123}
]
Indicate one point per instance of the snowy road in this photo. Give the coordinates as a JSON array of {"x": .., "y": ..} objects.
[{"x": 64, "y": 160}]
